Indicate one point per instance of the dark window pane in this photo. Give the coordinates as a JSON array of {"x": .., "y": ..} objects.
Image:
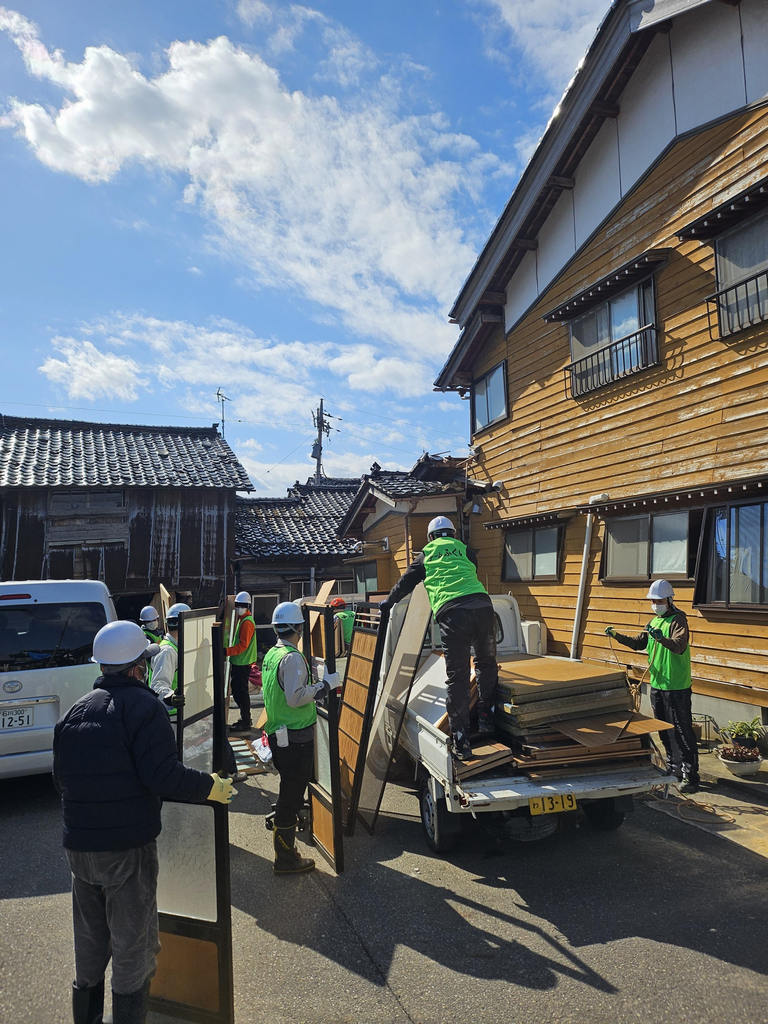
[
  {"x": 718, "y": 555},
  {"x": 745, "y": 555},
  {"x": 36, "y": 636}
]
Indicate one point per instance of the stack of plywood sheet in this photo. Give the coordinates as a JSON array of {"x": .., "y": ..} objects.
[
  {"x": 485, "y": 756},
  {"x": 536, "y": 693}
]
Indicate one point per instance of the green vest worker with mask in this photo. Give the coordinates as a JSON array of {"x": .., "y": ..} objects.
[
  {"x": 667, "y": 641},
  {"x": 150, "y": 623},
  {"x": 242, "y": 654},
  {"x": 464, "y": 613},
  {"x": 289, "y": 700}
]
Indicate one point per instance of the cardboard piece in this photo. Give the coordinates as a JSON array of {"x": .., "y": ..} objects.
[{"x": 599, "y": 730}]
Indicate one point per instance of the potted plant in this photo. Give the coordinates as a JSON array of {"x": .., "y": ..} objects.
[
  {"x": 746, "y": 734},
  {"x": 741, "y": 760}
]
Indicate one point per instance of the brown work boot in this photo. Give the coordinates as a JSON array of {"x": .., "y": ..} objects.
[{"x": 288, "y": 861}]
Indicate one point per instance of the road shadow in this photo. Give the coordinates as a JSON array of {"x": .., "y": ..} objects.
[{"x": 33, "y": 861}]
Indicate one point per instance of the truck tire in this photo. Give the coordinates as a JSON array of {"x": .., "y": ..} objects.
[
  {"x": 441, "y": 831},
  {"x": 602, "y": 814}
]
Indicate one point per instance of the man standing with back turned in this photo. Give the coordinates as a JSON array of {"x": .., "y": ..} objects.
[
  {"x": 464, "y": 613},
  {"x": 114, "y": 762}
]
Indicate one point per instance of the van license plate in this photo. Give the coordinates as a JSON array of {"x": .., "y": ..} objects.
[
  {"x": 18, "y": 718},
  {"x": 551, "y": 804}
]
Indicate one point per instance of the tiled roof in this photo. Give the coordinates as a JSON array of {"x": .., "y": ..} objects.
[
  {"x": 403, "y": 485},
  {"x": 301, "y": 524},
  {"x": 66, "y": 453}
]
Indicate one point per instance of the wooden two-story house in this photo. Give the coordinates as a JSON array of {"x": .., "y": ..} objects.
[{"x": 614, "y": 350}]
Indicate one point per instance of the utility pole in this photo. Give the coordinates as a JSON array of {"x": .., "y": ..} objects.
[
  {"x": 221, "y": 398},
  {"x": 323, "y": 428}
]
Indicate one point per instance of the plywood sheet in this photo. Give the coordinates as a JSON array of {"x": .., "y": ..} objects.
[
  {"x": 531, "y": 674},
  {"x": 598, "y": 730},
  {"x": 485, "y": 756}
]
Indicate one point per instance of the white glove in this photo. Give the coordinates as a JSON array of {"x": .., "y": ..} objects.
[{"x": 333, "y": 679}]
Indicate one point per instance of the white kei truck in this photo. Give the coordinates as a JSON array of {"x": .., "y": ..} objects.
[
  {"x": 506, "y": 802},
  {"x": 46, "y": 636}
]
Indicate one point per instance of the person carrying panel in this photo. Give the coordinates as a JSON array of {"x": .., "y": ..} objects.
[
  {"x": 289, "y": 700},
  {"x": 464, "y": 613},
  {"x": 242, "y": 655},
  {"x": 114, "y": 762},
  {"x": 666, "y": 639}
]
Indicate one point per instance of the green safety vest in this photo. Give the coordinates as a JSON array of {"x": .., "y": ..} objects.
[
  {"x": 449, "y": 572},
  {"x": 154, "y": 638},
  {"x": 275, "y": 704},
  {"x": 168, "y": 641},
  {"x": 667, "y": 671},
  {"x": 347, "y": 619},
  {"x": 250, "y": 654}
]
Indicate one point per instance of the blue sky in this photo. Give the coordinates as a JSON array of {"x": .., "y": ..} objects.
[{"x": 277, "y": 199}]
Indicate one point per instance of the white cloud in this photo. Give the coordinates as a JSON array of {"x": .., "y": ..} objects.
[
  {"x": 349, "y": 204},
  {"x": 552, "y": 34},
  {"x": 254, "y": 11},
  {"x": 195, "y": 270},
  {"x": 87, "y": 373}
]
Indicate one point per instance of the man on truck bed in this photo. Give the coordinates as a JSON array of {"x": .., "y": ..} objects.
[
  {"x": 667, "y": 641},
  {"x": 464, "y": 613}
]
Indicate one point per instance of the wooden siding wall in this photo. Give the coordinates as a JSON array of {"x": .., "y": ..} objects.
[
  {"x": 697, "y": 419},
  {"x": 181, "y": 537}
]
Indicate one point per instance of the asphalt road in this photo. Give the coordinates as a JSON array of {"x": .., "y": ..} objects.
[{"x": 656, "y": 922}]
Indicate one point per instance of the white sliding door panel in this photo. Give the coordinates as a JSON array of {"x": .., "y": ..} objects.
[{"x": 521, "y": 290}]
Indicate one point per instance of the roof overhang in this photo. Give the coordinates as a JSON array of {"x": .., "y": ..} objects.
[
  {"x": 612, "y": 284},
  {"x": 747, "y": 203}
]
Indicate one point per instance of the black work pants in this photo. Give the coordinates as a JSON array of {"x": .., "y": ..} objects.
[
  {"x": 674, "y": 706},
  {"x": 295, "y": 764},
  {"x": 461, "y": 629},
  {"x": 239, "y": 682}
]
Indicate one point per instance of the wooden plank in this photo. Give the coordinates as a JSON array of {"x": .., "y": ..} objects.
[
  {"x": 601, "y": 729},
  {"x": 486, "y": 755}
]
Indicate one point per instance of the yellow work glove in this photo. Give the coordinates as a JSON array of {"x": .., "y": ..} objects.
[{"x": 222, "y": 790}]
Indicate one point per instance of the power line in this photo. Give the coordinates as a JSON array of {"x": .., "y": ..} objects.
[{"x": 393, "y": 419}]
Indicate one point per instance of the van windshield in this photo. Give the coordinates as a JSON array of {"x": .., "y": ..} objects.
[{"x": 48, "y": 635}]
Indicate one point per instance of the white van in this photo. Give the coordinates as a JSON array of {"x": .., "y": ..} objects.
[{"x": 46, "y": 635}]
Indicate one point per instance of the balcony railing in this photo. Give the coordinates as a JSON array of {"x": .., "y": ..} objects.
[
  {"x": 741, "y": 305},
  {"x": 621, "y": 358}
]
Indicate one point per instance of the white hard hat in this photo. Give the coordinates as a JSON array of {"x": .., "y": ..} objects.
[
  {"x": 660, "y": 590},
  {"x": 119, "y": 643},
  {"x": 149, "y": 614},
  {"x": 440, "y": 523},
  {"x": 172, "y": 618},
  {"x": 287, "y": 616},
  {"x": 243, "y": 598}
]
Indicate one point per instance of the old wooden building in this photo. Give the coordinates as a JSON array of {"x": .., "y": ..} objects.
[
  {"x": 133, "y": 506},
  {"x": 286, "y": 548},
  {"x": 614, "y": 349}
]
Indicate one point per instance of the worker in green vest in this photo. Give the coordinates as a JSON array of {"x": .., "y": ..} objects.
[
  {"x": 242, "y": 654},
  {"x": 289, "y": 700},
  {"x": 345, "y": 617},
  {"x": 666, "y": 639},
  {"x": 163, "y": 676},
  {"x": 150, "y": 623},
  {"x": 464, "y": 613}
]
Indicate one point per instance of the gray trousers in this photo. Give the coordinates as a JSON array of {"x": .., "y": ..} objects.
[{"x": 114, "y": 912}]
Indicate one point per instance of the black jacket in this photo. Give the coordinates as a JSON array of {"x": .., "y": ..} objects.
[
  {"x": 416, "y": 573},
  {"x": 114, "y": 761}
]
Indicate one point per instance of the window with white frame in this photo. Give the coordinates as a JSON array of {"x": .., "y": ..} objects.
[
  {"x": 742, "y": 275},
  {"x": 532, "y": 554},
  {"x": 489, "y": 397},
  {"x": 656, "y": 546}
]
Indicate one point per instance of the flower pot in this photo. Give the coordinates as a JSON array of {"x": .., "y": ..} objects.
[
  {"x": 742, "y": 768},
  {"x": 745, "y": 741}
]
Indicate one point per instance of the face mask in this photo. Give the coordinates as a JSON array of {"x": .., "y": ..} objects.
[{"x": 659, "y": 609}]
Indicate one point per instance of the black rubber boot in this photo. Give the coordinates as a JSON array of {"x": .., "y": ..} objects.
[
  {"x": 485, "y": 723},
  {"x": 288, "y": 861},
  {"x": 461, "y": 748},
  {"x": 241, "y": 726},
  {"x": 88, "y": 1004},
  {"x": 131, "y": 1008}
]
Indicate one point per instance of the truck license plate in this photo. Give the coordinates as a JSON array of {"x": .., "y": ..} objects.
[
  {"x": 16, "y": 718},
  {"x": 551, "y": 804}
]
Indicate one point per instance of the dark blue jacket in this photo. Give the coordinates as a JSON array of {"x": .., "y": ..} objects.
[{"x": 114, "y": 761}]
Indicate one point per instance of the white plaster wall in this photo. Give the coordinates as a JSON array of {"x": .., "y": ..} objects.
[
  {"x": 556, "y": 240},
  {"x": 521, "y": 290},
  {"x": 647, "y": 120},
  {"x": 598, "y": 188},
  {"x": 754, "y": 24},
  {"x": 707, "y": 65}
]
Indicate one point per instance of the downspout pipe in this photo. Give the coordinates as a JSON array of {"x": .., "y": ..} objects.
[{"x": 594, "y": 500}]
